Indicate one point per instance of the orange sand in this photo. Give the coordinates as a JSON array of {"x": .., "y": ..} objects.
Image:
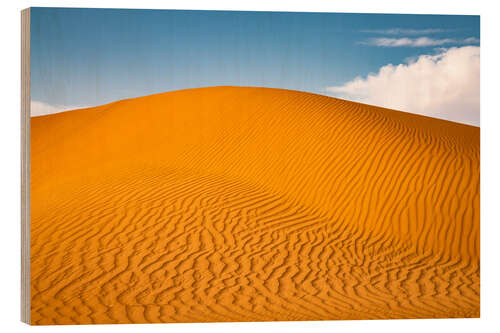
[{"x": 250, "y": 204}]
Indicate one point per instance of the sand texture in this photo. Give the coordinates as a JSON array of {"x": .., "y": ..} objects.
[{"x": 251, "y": 204}]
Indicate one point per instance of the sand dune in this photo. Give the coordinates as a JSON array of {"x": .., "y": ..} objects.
[{"x": 250, "y": 204}]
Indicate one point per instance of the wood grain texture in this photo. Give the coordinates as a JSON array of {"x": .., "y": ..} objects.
[
  {"x": 251, "y": 204},
  {"x": 25, "y": 162}
]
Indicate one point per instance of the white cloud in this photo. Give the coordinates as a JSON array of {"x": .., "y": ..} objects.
[
  {"x": 417, "y": 42},
  {"x": 470, "y": 40},
  {"x": 41, "y": 109},
  {"x": 445, "y": 85},
  {"x": 401, "y": 31}
]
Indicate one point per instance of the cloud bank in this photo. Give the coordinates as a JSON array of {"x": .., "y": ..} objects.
[
  {"x": 416, "y": 42},
  {"x": 41, "y": 109},
  {"x": 445, "y": 85},
  {"x": 401, "y": 31}
]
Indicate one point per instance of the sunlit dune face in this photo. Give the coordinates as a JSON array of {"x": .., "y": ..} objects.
[{"x": 251, "y": 204}]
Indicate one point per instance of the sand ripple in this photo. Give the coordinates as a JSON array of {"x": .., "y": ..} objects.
[{"x": 251, "y": 204}]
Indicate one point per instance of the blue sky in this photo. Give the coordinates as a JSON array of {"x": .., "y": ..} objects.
[{"x": 87, "y": 57}]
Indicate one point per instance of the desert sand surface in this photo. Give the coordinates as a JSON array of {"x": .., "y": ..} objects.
[{"x": 251, "y": 204}]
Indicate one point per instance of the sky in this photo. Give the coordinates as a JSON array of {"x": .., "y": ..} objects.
[{"x": 425, "y": 64}]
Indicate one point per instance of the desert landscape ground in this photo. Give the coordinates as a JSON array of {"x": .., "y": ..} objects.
[{"x": 251, "y": 204}]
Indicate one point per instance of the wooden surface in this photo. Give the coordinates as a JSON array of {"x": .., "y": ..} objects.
[{"x": 25, "y": 162}]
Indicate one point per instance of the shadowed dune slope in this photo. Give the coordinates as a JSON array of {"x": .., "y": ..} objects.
[{"x": 249, "y": 204}]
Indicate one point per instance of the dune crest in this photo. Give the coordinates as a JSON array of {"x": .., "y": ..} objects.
[{"x": 251, "y": 204}]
